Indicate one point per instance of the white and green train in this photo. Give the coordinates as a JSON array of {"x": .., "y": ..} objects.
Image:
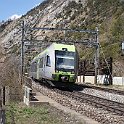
[{"x": 58, "y": 63}]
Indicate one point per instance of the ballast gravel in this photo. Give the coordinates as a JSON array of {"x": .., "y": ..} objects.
[{"x": 104, "y": 94}]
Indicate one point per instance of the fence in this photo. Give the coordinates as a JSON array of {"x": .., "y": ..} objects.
[{"x": 101, "y": 79}]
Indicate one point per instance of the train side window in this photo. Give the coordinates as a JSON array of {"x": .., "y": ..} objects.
[
  {"x": 41, "y": 63},
  {"x": 48, "y": 63},
  {"x": 34, "y": 67}
]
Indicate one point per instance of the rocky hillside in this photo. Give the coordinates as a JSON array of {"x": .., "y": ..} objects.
[{"x": 107, "y": 15}]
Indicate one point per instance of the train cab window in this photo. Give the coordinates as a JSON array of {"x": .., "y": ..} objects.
[{"x": 48, "y": 63}]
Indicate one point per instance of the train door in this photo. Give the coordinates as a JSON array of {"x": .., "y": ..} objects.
[
  {"x": 38, "y": 69},
  {"x": 43, "y": 69},
  {"x": 48, "y": 67}
]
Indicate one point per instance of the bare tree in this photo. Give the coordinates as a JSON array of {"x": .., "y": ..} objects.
[{"x": 10, "y": 76}]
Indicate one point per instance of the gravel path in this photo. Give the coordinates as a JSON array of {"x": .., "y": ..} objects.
[{"x": 64, "y": 118}]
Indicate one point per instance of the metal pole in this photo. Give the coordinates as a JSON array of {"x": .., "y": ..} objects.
[
  {"x": 62, "y": 29},
  {"x": 84, "y": 70},
  {"x": 4, "y": 95},
  {"x": 97, "y": 57},
  {"x": 22, "y": 54},
  {"x": 110, "y": 71},
  {"x": 2, "y": 108}
]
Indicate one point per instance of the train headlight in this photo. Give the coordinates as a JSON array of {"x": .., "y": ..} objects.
[
  {"x": 57, "y": 71},
  {"x": 72, "y": 72},
  {"x": 53, "y": 76}
]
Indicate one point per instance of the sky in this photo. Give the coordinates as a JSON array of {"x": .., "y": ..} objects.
[{"x": 16, "y": 8}]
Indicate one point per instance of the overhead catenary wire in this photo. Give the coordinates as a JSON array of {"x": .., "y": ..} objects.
[{"x": 29, "y": 27}]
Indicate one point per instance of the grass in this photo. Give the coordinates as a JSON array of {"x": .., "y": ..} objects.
[{"x": 29, "y": 115}]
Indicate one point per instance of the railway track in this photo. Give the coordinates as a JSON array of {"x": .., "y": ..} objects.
[
  {"x": 106, "y": 104},
  {"x": 110, "y": 90},
  {"x": 102, "y": 110}
]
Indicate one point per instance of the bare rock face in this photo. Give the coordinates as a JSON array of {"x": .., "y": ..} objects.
[{"x": 39, "y": 17}]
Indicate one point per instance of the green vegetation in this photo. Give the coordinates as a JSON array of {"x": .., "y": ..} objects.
[
  {"x": 72, "y": 11},
  {"x": 87, "y": 53},
  {"x": 21, "y": 114},
  {"x": 112, "y": 50},
  {"x": 117, "y": 29},
  {"x": 108, "y": 15}
]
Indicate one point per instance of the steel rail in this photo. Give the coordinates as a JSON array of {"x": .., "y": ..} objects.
[{"x": 109, "y": 105}]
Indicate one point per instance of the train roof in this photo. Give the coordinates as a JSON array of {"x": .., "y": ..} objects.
[
  {"x": 57, "y": 46},
  {"x": 60, "y": 46}
]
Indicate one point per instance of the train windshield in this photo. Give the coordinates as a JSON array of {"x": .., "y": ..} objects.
[{"x": 65, "y": 60}]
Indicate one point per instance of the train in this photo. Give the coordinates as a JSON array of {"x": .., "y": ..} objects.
[{"x": 57, "y": 64}]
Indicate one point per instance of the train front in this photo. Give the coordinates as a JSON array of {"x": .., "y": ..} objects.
[{"x": 65, "y": 65}]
